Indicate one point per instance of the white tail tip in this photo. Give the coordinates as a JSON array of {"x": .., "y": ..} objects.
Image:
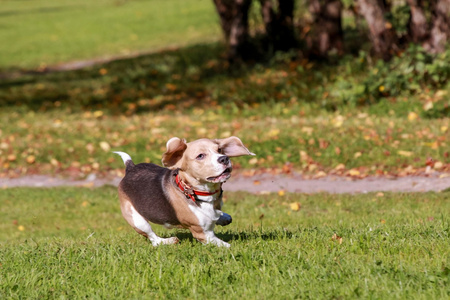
[{"x": 125, "y": 156}]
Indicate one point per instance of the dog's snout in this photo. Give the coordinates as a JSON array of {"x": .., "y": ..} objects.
[{"x": 224, "y": 160}]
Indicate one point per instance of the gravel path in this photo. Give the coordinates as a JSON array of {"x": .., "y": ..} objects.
[{"x": 269, "y": 183}]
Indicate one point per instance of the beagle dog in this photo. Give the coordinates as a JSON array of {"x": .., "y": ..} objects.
[{"x": 186, "y": 192}]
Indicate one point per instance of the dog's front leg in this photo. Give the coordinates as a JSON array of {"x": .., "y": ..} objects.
[
  {"x": 224, "y": 220},
  {"x": 207, "y": 236}
]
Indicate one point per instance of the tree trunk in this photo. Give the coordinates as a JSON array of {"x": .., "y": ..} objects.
[
  {"x": 279, "y": 27},
  {"x": 382, "y": 35},
  {"x": 440, "y": 31},
  {"x": 327, "y": 31},
  {"x": 234, "y": 22},
  {"x": 418, "y": 27}
]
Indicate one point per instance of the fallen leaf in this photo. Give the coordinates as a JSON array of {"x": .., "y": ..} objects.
[
  {"x": 105, "y": 146},
  {"x": 295, "y": 206},
  {"x": 21, "y": 228},
  {"x": 438, "y": 165},
  {"x": 253, "y": 161},
  {"x": 337, "y": 150},
  {"x": 412, "y": 116},
  {"x": 337, "y": 238},
  {"x": 304, "y": 156},
  {"x": 31, "y": 159},
  {"x": 427, "y": 106},
  {"x": 307, "y": 130},
  {"x": 405, "y": 153},
  {"x": 320, "y": 174},
  {"x": 340, "y": 167},
  {"x": 274, "y": 132},
  {"x": 98, "y": 113},
  {"x": 281, "y": 193},
  {"x": 354, "y": 172}
]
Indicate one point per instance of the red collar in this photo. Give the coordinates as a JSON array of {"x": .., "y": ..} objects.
[{"x": 189, "y": 192}]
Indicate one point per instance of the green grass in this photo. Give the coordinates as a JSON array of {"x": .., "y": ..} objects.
[
  {"x": 75, "y": 244},
  {"x": 44, "y": 32}
]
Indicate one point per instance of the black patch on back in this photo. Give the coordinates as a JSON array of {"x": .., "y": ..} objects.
[{"x": 143, "y": 184}]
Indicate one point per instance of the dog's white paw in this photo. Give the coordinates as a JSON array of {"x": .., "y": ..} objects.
[
  {"x": 167, "y": 241},
  {"x": 224, "y": 220}
]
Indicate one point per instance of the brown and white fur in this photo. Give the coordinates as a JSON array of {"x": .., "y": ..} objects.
[{"x": 150, "y": 193}]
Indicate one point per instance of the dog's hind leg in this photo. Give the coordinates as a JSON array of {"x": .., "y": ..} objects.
[{"x": 141, "y": 225}]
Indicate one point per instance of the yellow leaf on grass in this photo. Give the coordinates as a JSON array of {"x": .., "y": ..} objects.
[
  {"x": 427, "y": 106},
  {"x": 405, "y": 153},
  {"x": 98, "y": 113},
  {"x": 21, "y": 228},
  {"x": 281, "y": 193},
  {"x": 412, "y": 116},
  {"x": 274, "y": 132},
  {"x": 31, "y": 159},
  {"x": 308, "y": 130},
  {"x": 295, "y": 206},
  {"x": 253, "y": 161},
  {"x": 105, "y": 146}
]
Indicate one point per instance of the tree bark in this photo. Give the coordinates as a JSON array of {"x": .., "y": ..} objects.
[
  {"x": 327, "y": 33},
  {"x": 279, "y": 27},
  {"x": 382, "y": 35},
  {"x": 233, "y": 16},
  {"x": 440, "y": 31},
  {"x": 418, "y": 27}
]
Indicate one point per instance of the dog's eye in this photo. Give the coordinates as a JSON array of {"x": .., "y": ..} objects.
[
  {"x": 201, "y": 156},
  {"x": 220, "y": 150}
]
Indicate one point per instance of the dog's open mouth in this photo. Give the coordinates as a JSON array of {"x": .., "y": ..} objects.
[{"x": 222, "y": 177}]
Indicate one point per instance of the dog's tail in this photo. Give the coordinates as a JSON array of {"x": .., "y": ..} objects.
[{"x": 126, "y": 159}]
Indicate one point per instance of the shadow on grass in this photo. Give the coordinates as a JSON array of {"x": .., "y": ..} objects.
[
  {"x": 266, "y": 235},
  {"x": 195, "y": 76}
]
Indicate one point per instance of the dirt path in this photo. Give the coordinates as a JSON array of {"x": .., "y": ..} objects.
[{"x": 269, "y": 183}]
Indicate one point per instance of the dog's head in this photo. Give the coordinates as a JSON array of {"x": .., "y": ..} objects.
[{"x": 206, "y": 160}]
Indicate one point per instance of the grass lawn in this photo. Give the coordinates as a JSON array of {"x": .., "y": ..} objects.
[
  {"x": 43, "y": 32},
  {"x": 73, "y": 243},
  {"x": 352, "y": 117}
]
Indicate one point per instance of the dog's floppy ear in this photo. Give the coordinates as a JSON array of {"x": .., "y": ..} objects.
[
  {"x": 175, "y": 149},
  {"x": 233, "y": 146}
]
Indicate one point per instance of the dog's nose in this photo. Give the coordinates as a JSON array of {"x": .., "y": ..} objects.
[{"x": 224, "y": 160}]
